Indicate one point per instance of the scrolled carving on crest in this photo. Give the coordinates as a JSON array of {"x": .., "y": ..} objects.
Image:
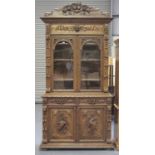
[{"x": 76, "y": 9}]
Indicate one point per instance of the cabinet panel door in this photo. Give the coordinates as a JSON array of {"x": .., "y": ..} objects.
[
  {"x": 61, "y": 124},
  {"x": 91, "y": 123}
]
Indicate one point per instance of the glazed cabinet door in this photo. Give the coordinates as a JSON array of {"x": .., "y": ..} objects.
[
  {"x": 61, "y": 127},
  {"x": 91, "y": 58},
  {"x": 92, "y": 122},
  {"x": 63, "y": 62}
]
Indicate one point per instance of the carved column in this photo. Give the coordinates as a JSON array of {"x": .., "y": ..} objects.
[
  {"x": 106, "y": 54},
  {"x": 48, "y": 59},
  {"x": 45, "y": 139},
  {"x": 109, "y": 118}
]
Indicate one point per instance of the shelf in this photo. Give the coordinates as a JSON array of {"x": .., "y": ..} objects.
[
  {"x": 90, "y": 59},
  {"x": 63, "y": 79},
  {"x": 63, "y": 59},
  {"x": 90, "y": 80},
  {"x": 90, "y": 90}
]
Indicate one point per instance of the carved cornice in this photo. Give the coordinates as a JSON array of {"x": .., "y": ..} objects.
[{"x": 76, "y": 9}]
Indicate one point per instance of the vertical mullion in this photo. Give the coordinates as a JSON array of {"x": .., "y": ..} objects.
[
  {"x": 102, "y": 64},
  {"x": 78, "y": 63}
]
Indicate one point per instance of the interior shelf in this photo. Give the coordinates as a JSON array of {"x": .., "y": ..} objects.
[
  {"x": 63, "y": 59},
  {"x": 90, "y": 79},
  {"x": 63, "y": 79},
  {"x": 90, "y": 60}
]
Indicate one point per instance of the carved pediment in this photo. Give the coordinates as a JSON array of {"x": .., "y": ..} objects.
[{"x": 76, "y": 9}]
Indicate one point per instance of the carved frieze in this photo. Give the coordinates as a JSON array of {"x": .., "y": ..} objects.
[
  {"x": 77, "y": 29},
  {"x": 77, "y": 101},
  {"x": 93, "y": 101},
  {"x": 62, "y": 100}
]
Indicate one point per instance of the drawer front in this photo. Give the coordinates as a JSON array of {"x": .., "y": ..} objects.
[
  {"x": 92, "y": 123},
  {"x": 61, "y": 100},
  {"x": 94, "y": 100},
  {"x": 61, "y": 124},
  {"x": 79, "y": 100}
]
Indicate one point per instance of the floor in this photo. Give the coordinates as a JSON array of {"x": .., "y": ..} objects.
[{"x": 38, "y": 136}]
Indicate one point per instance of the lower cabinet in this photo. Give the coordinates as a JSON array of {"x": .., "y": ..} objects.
[{"x": 77, "y": 125}]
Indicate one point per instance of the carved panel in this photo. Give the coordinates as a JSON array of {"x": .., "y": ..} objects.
[
  {"x": 77, "y": 29},
  {"x": 61, "y": 124},
  {"x": 92, "y": 123}
]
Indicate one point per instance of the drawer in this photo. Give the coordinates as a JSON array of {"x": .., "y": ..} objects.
[
  {"x": 94, "y": 100},
  {"x": 62, "y": 100},
  {"x": 79, "y": 100}
]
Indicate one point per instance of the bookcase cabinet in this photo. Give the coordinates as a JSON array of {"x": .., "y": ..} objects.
[{"x": 77, "y": 104}]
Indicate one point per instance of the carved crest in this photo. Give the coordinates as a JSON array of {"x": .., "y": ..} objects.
[{"x": 76, "y": 9}]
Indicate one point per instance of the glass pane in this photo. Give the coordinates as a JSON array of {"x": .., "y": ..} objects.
[
  {"x": 63, "y": 84},
  {"x": 90, "y": 70},
  {"x": 90, "y": 84},
  {"x": 90, "y": 66},
  {"x": 90, "y": 51},
  {"x": 63, "y": 70},
  {"x": 63, "y": 66},
  {"x": 63, "y": 50}
]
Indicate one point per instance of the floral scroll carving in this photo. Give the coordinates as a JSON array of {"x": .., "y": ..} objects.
[
  {"x": 77, "y": 8},
  {"x": 91, "y": 124}
]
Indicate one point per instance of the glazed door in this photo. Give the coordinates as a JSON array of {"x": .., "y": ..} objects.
[
  {"x": 90, "y": 67},
  {"x": 63, "y": 69},
  {"x": 77, "y": 63}
]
